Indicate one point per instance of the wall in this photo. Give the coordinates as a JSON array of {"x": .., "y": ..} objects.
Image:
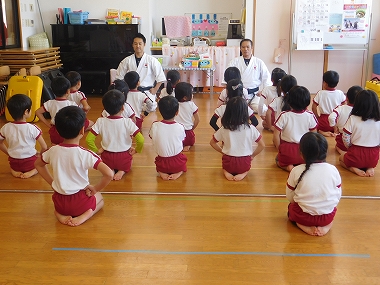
[
  {"x": 272, "y": 23},
  {"x": 30, "y": 21}
]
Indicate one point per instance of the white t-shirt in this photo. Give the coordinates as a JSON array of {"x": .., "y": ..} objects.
[
  {"x": 77, "y": 97},
  {"x": 319, "y": 191},
  {"x": 276, "y": 105},
  {"x": 70, "y": 165},
  {"x": 363, "y": 133},
  {"x": 339, "y": 116},
  {"x": 267, "y": 96},
  {"x": 53, "y": 106},
  {"x": 239, "y": 142},
  {"x": 165, "y": 93},
  {"x": 21, "y": 138},
  {"x": 167, "y": 137},
  {"x": 116, "y": 133},
  {"x": 293, "y": 125},
  {"x": 136, "y": 100},
  {"x": 185, "y": 114},
  {"x": 327, "y": 100},
  {"x": 222, "y": 99}
]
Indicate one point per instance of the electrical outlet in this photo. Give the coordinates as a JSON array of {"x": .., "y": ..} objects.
[{"x": 31, "y": 8}]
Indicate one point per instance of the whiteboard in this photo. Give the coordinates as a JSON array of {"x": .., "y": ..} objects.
[{"x": 317, "y": 23}]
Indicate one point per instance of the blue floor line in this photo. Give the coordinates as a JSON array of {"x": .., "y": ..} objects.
[{"x": 213, "y": 252}]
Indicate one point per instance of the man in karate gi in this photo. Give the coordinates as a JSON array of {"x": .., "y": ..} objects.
[
  {"x": 147, "y": 66},
  {"x": 254, "y": 72}
]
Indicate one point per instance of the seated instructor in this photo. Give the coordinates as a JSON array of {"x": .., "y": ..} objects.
[
  {"x": 147, "y": 66},
  {"x": 254, "y": 72}
]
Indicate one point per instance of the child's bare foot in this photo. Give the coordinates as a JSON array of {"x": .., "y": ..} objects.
[
  {"x": 186, "y": 148},
  {"x": 321, "y": 231},
  {"x": 174, "y": 176},
  {"x": 370, "y": 172},
  {"x": 29, "y": 174},
  {"x": 80, "y": 219},
  {"x": 16, "y": 174},
  {"x": 289, "y": 167},
  {"x": 327, "y": 134},
  {"x": 309, "y": 230},
  {"x": 358, "y": 171},
  {"x": 240, "y": 176},
  {"x": 340, "y": 151},
  {"x": 62, "y": 218},
  {"x": 228, "y": 175},
  {"x": 118, "y": 175},
  {"x": 164, "y": 176}
]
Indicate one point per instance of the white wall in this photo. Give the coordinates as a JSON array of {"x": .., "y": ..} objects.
[{"x": 272, "y": 23}]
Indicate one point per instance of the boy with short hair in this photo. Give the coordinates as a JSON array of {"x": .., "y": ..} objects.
[
  {"x": 21, "y": 138},
  {"x": 61, "y": 89},
  {"x": 78, "y": 96},
  {"x": 167, "y": 136},
  {"x": 75, "y": 199},
  {"x": 326, "y": 100},
  {"x": 116, "y": 132},
  {"x": 137, "y": 99}
]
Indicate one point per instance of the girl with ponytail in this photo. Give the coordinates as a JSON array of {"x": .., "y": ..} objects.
[{"x": 313, "y": 188}]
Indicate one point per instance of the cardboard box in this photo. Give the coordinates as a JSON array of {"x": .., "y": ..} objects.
[{"x": 189, "y": 63}]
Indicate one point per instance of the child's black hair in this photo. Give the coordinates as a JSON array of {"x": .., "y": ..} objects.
[
  {"x": 69, "y": 121},
  {"x": 234, "y": 88},
  {"x": 286, "y": 83},
  {"x": 331, "y": 78},
  {"x": 351, "y": 93},
  {"x": 132, "y": 79},
  {"x": 74, "y": 77},
  {"x": 17, "y": 105},
  {"x": 182, "y": 90},
  {"x": 366, "y": 105},
  {"x": 236, "y": 114},
  {"x": 277, "y": 75},
  {"x": 313, "y": 147},
  {"x": 60, "y": 86},
  {"x": 120, "y": 85},
  {"x": 172, "y": 78},
  {"x": 298, "y": 98},
  {"x": 168, "y": 107},
  {"x": 231, "y": 72},
  {"x": 113, "y": 101}
]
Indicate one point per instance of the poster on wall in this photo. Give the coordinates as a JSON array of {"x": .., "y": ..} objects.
[
  {"x": 332, "y": 22},
  {"x": 209, "y": 25}
]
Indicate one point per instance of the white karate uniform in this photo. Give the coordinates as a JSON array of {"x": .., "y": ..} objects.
[
  {"x": 53, "y": 106},
  {"x": 167, "y": 137},
  {"x": 70, "y": 165},
  {"x": 116, "y": 133},
  {"x": 77, "y": 97},
  {"x": 21, "y": 138},
  {"x": 339, "y": 116},
  {"x": 149, "y": 69},
  {"x": 185, "y": 114},
  {"x": 363, "y": 133},
  {"x": 239, "y": 142},
  {"x": 293, "y": 125},
  {"x": 327, "y": 100},
  {"x": 128, "y": 112},
  {"x": 319, "y": 191}
]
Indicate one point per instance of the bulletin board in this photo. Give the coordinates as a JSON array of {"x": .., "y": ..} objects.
[
  {"x": 210, "y": 25},
  {"x": 318, "y": 23}
]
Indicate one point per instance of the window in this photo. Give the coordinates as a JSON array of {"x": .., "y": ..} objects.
[{"x": 9, "y": 24}]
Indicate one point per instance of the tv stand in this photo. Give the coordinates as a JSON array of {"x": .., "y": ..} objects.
[{"x": 92, "y": 50}]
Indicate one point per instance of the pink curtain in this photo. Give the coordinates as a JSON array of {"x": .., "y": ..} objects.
[{"x": 221, "y": 57}]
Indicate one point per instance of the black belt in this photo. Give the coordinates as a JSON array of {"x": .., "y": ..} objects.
[
  {"x": 142, "y": 89},
  {"x": 253, "y": 90}
]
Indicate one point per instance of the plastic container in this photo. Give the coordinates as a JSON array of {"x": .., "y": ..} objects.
[{"x": 78, "y": 18}]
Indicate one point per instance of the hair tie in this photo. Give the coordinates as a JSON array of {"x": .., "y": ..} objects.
[
  {"x": 169, "y": 79},
  {"x": 236, "y": 87}
]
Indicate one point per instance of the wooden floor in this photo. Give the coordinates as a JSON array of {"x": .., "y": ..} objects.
[{"x": 199, "y": 229}]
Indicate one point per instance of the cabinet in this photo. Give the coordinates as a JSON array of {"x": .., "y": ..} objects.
[{"x": 92, "y": 50}]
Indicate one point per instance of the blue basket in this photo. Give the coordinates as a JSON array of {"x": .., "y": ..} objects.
[{"x": 77, "y": 18}]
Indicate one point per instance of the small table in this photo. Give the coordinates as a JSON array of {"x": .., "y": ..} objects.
[{"x": 210, "y": 70}]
